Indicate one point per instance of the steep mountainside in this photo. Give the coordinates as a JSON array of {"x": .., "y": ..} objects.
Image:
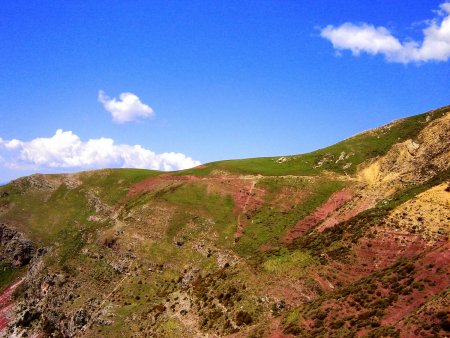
[{"x": 349, "y": 240}]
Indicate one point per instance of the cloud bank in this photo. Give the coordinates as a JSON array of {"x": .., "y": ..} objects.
[
  {"x": 367, "y": 38},
  {"x": 66, "y": 150},
  {"x": 128, "y": 108}
]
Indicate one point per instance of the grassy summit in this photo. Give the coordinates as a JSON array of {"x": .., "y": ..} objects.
[{"x": 356, "y": 150}]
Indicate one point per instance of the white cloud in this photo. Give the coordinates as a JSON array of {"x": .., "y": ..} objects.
[
  {"x": 128, "y": 108},
  {"x": 66, "y": 150},
  {"x": 379, "y": 40}
]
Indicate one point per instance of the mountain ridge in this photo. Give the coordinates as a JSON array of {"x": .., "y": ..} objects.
[{"x": 348, "y": 240}]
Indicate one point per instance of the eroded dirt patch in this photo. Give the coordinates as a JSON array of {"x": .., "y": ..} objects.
[
  {"x": 6, "y": 306},
  {"x": 333, "y": 203},
  {"x": 348, "y": 211},
  {"x": 432, "y": 270},
  {"x": 152, "y": 183}
]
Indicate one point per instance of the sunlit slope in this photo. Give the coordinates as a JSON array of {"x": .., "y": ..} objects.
[
  {"x": 49, "y": 206},
  {"x": 293, "y": 246},
  {"x": 343, "y": 157}
]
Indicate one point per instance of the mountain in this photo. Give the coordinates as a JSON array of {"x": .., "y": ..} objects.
[{"x": 349, "y": 240}]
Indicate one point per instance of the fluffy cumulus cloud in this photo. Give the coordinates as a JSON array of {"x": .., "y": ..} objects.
[
  {"x": 367, "y": 38},
  {"x": 125, "y": 109},
  {"x": 66, "y": 150}
]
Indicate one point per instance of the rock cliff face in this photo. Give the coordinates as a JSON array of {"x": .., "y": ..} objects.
[
  {"x": 355, "y": 246},
  {"x": 14, "y": 248},
  {"x": 412, "y": 161},
  {"x": 44, "y": 295}
]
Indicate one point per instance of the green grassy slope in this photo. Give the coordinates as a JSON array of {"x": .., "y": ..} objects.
[
  {"x": 48, "y": 215},
  {"x": 360, "y": 147}
]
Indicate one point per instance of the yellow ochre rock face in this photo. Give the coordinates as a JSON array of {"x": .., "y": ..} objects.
[
  {"x": 412, "y": 161},
  {"x": 427, "y": 214}
]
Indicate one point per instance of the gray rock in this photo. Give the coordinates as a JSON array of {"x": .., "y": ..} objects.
[
  {"x": 80, "y": 318},
  {"x": 15, "y": 249}
]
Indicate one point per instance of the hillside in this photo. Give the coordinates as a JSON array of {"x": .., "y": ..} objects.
[{"x": 349, "y": 240}]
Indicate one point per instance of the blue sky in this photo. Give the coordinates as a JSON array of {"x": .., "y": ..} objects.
[{"x": 208, "y": 80}]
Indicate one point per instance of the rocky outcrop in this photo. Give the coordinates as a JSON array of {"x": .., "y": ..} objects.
[
  {"x": 15, "y": 249},
  {"x": 411, "y": 161},
  {"x": 40, "y": 308}
]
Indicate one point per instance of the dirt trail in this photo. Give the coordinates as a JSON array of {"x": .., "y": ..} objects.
[
  {"x": 98, "y": 311},
  {"x": 240, "y": 226},
  {"x": 155, "y": 182}
]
